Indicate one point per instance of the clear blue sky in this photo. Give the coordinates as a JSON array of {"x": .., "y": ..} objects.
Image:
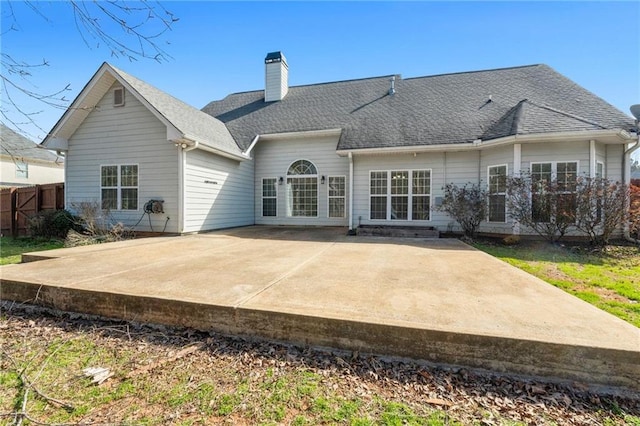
[{"x": 219, "y": 48}]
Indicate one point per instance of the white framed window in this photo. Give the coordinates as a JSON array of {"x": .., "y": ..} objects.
[
  {"x": 400, "y": 195},
  {"x": 302, "y": 189},
  {"x": 119, "y": 187},
  {"x": 497, "y": 182},
  {"x": 336, "y": 194},
  {"x": 269, "y": 196},
  {"x": 22, "y": 170},
  {"x": 566, "y": 177},
  {"x": 600, "y": 169},
  {"x": 118, "y": 96}
]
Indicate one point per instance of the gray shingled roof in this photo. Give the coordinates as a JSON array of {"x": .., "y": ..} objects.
[
  {"x": 23, "y": 149},
  {"x": 441, "y": 109},
  {"x": 187, "y": 119}
]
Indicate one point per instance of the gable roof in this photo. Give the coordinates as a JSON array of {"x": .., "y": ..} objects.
[
  {"x": 20, "y": 148},
  {"x": 183, "y": 121},
  {"x": 433, "y": 110}
]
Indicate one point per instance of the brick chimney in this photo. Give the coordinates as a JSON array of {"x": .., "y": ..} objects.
[{"x": 276, "y": 77}]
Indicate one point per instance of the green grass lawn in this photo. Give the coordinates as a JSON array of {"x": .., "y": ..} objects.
[
  {"x": 12, "y": 248},
  {"x": 608, "y": 279}
]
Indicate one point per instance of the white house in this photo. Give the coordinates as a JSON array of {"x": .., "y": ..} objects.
[
  {"x": 374, "y": 151},
  {"x": 23, "y": 163}
]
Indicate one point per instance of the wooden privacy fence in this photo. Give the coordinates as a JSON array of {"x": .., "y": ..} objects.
[{"x": 17, "y": 205}]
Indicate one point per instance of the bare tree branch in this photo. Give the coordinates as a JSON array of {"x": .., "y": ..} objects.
[{"x": 131, "y": 30}]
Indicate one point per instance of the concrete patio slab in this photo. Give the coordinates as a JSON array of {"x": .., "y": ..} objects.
[{"x": 436, "y": 300}]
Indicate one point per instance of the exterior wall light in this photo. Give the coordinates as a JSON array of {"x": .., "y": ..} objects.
[
  {"x": 322, "y": 179},
  {"x": 280, "y": 180}
]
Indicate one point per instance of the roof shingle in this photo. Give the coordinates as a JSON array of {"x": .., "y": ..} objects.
[{"x": 441, "y": 109}]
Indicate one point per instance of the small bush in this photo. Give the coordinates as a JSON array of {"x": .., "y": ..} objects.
[
  {"x": 52, "y": 224},
  {"x": 511, "y": 240}
]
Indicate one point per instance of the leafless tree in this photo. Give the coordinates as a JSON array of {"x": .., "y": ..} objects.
[{"x": 129, "y": 29}]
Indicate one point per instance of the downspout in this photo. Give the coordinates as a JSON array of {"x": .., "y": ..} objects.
[
  {"x": 182, "y": 166},
  {"x": 626, "y": 179},
  {"x": 350, "y": 192}
]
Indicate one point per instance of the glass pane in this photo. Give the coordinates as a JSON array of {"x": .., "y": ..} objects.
[
  {"x": 378, "y": 207},
  {"x": 130, "y": 199},
  {"x": 129, "y": 176},
  {"x": 269, "y": 187},
  {"x": 420, "y": 208},
  {"x": 269, "y": 207},
  {"x": 567, "y": 176},
  {"x": 109, "y": 199},
  {"x": 336, "y": 207},
  {"x": 421, "y": 182},
  {"x": 400, "y": 182},
  {"x": 303, "y": 193},
  {"x": 302, "y": 167},
  {"x": 541, "y": 208},
  {"x": 497, "y": 179},
  {"x": 497, "y": 206},
  {"x": 109, "y": 176},
  {"x": 378, "y": 183},
  {"x": 399, "y": 208},
  {"x": 336, "y": 186}
]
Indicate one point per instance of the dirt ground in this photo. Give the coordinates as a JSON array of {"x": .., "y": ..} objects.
[{"x": 159, "y": 376}]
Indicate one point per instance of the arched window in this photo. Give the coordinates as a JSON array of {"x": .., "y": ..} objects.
[
  {"x": 302, "y": 189},
  {"x": 302, "y": 167}
]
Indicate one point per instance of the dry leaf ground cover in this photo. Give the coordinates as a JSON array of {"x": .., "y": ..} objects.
[
  {"x": 608, "y": 278},
  {"x": 183, "y": 377}
]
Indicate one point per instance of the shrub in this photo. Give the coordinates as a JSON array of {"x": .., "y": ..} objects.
[
  {"x": 467, "y": 205},
  {"x": 600, "y": 208},
  {"x": 52, "y": 224},
  {"x": 544, "y": 206}
]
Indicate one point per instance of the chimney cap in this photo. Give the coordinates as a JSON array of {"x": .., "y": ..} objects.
[{"x": 275, "y": 57}]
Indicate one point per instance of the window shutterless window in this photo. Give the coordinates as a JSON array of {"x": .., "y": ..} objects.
[
  {"x": 497, "y": 193},
  {"x": 336, "y": 193},
  {"x": 400, "y": 195},
  {"x": 269, "y": 196},
  {"x": 119, "y": 187},
  {"x": 544, "y": 207},
  {"x": 302, "y": 189},
  {"x": 22, "y": 170}
]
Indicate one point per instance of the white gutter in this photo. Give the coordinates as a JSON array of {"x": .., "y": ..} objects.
[
  {"x": 189, "y": 145},
  {"x": 626, "y": 165},
  {"x": 622, "y": 135},
  {"x": 247, "y": 152},
  {"x": 350, "y": 192},
  {"x": 303, "y": 134}
]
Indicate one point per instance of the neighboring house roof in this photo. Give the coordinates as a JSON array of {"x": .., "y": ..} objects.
[
  {"x": 434, "y": 110},
  {"x": 19, "y": 148},
  {"x": 184, "y": 121}
]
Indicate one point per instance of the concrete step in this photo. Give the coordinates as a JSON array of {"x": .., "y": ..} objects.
[{"x": 398, "y": 231}]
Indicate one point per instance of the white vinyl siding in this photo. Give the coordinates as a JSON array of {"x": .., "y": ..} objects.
[
  {"x": 119, "y": 136},
  {"x": 274, "y": 157},
  {"x": 218, "y": 192}
]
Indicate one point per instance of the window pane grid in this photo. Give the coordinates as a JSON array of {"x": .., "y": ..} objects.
[
  {"x": 269, "y": 197},
  {"x": 421, "y": 182},
  {"x": 420, "y": 207},
  {"x": 400, "y": 195},
  {"x": 119, "y": 187},
  {"x": 336, "y": 193},
  {"x": 304, "y": 196}
]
